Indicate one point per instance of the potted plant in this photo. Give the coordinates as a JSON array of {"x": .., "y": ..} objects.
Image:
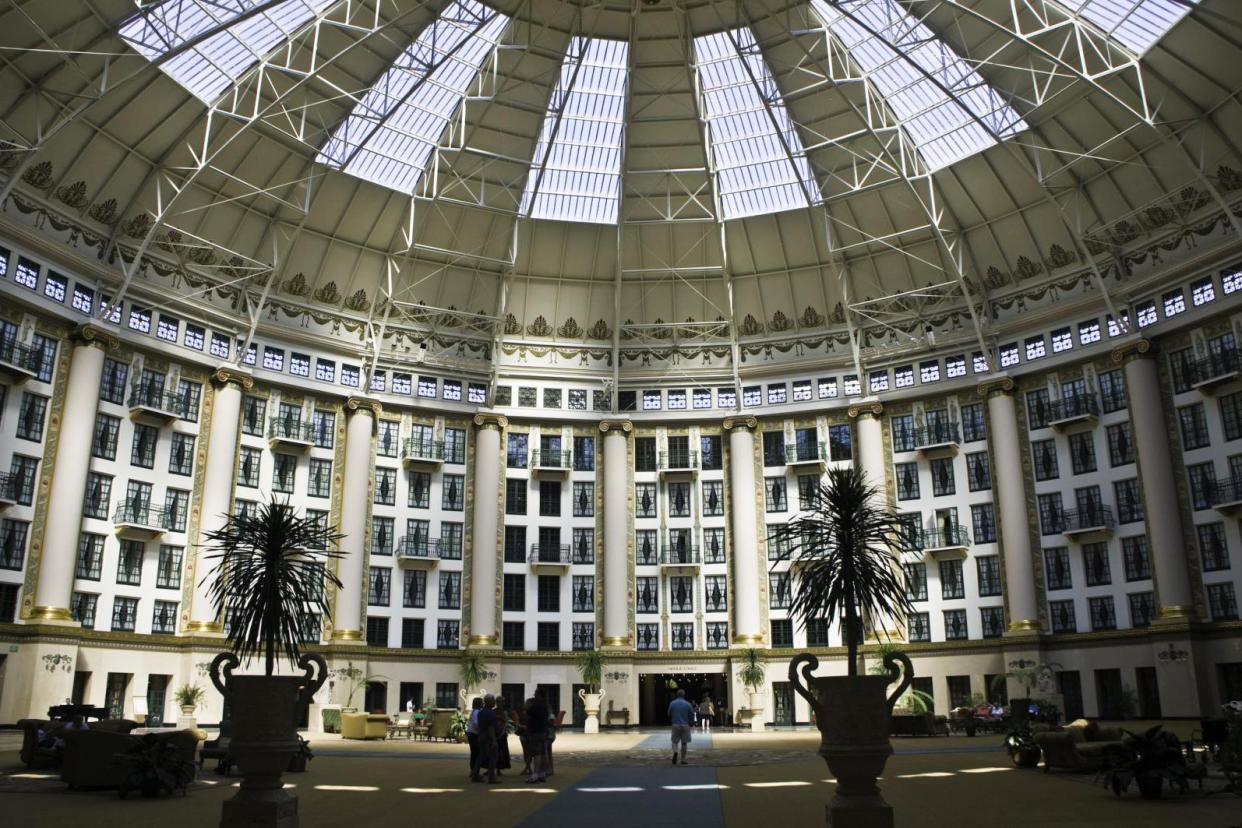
[
  {"x": 303, "y": 754},
  {"x": 154, "y": 765},
  {"x": 457, "y": 726},
  {"x": 591, "y": 666},
  {"x": 1020, "y": 743},
  {"x": 844, "y": 547},
  {"x": 269, "y": 572},
  {"x": 473, "y": 673},
  {"x": 354, "y": 679},
  {"x": 1149, "y": 760},
  {"x": 188, "y": 697},
  {"x": 752, "y": 674}
]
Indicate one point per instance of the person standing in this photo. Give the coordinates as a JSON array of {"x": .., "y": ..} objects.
[
  {"x": 488, "y": 737},
  {"x": 503, "y": 760},
  {"x": 537, "y": 737},
  {"x": 472, "y": 736},
  {"x": 680, "y": 713},
  {"x": 707, "y": 712}
]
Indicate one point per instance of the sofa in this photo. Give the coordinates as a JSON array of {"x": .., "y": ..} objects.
[
  {"x": 364, "y": 726},
  {"x": 90, "y": 755},
  {"x": 914, "y": 724},
  {"x": 1080, "y": 746},
  {"x": 33, "y": 756}
]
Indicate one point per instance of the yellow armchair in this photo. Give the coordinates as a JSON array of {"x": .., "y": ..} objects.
[{"x": 364, "y": 726}]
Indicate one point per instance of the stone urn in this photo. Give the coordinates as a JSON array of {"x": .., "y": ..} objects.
[
  {"x": 265, "y": 737},
  {"x": 853, "y": 715},
  {"x": 468, "y": 697},
  {"x": 590, "y": 704},
  {"x": 757, "y": 699}
]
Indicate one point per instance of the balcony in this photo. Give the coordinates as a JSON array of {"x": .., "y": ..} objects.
[
  {"x": 944, "y": 542},
  {"x": 677, "y": 554},
  {"x": 289, "y": 432},
  {"x": 139, "y": 519},
  {"x": 1215, "y": 369},
  {"x": 549, "y": 556},
  {"x": 806, "y": 455},
  {"x": 551, "y": 463},
  {"x": 1080, "y": 409},
  {"x": 418, "y": 451},
  {"x": 1225, "y": 495},
  {"x": 938, "y": 439},
  {"x": 678, "y": 463},
  {"x": 418, "y": 552},
  {"x": 1096, "y": 520},
  {"x": 8, "y": 490},
  {"x": 19, "y": 362},
  {"x": 152, "y": 402}
]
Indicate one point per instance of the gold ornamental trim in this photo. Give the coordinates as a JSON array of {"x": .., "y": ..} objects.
[
  {"x": 364, "y": 404},
  {"x": 1177, "y": 611},
  {"x": 624, "y": 426},
  {"x": 741, "y": 422},
  {"x": 874, "y": 409},
  {"x": 89, "y": 334},
  {"x": 227, "y": 374},
  {"x": 482, "y": 641},
  {"x": 1126, "y": 351},
  {"x": 1025, "y": 625},
  {"x": 622, "y": 641},
  {"x": 51, "y": 614},
  {"x": 346, "y": 636},
  {"x": 496, "y": 421},
  {"x": 997, "y": 385},
  {"x": 748, "y": 639},
  {"x": 207, "y": 627}
]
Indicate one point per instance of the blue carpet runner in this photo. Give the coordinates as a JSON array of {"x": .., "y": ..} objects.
[{"x": 604, "y": 795}]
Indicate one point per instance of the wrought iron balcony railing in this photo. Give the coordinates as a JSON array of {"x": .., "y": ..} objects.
[
  {"x": 1076, "y": 407},
  {"x": 1086, "y": 520},
  {"x": 418, "y": 448},
  {"x": 549, "y": 553},
  {"x": 937, "y": 435},
  {"x": 679, "y": 460},
  {"x": 551, "y": 459}
]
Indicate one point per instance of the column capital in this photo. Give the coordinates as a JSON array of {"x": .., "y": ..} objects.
[
  {"x": 93, "y": 335},
  {"x": 996, "y": 385},
  {"x": 356, "y": 404},
  {"x": 496, "y": 421},
  {"x": 623, "y": 426},
  {"x": 741, "y": 422},
  {"x": 226, "y": 374},
  {"x": 872, "y": 408},
  {"x": 1134, "y": 349}
]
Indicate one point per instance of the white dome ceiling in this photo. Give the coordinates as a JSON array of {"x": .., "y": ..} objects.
[{"x": 942, "y": 159}]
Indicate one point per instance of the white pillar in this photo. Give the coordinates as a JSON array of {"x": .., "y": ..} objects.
[
  {"x": 616, "y": 534},
  {"x": 360, "y": 416},
  {"x": 1155, "y": 462},
  {"x": 57, "y": 561},
  {"x": 747, "y": 630},
  {"x": 484, "y": 550},
  {"x": 870, "y": 443},
  {"x": 1015, "y": 537},
  {"x": 216, "y": 497}
]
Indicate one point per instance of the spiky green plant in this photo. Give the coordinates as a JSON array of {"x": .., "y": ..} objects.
[
  {"x": 590, "y": 664},
  {"x": 270, "y": 570},
  {"x": 844, "y": 548}
]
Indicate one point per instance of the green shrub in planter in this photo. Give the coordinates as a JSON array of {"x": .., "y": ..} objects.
[{"x": 331, "y": 720}]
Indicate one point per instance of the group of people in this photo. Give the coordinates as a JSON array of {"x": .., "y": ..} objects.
[{"x": 488, "y": 729}]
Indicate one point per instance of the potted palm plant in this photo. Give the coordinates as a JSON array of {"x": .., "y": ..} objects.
[
  {"x": 269, "y": 573},
  {"x": 591, "y": 666},
  {"x": 473, "y": 673},
  {"x": 188, "y": 697},
  {"x": 843, "y": 547},
  {"x": 752, "y": 674}
]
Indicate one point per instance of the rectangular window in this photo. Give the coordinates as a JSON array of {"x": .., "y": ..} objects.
[
  {"x": 1112, "y": 391},
  {"x": 164, "y": 618},
  {"x": 176, "y": 509},
  {"x": 584, "y": 499},
  {"x": 248, "y": 466},
  {"x": 549, "y": 593},
  {"x": 1103, "y": 615},
  {"x": 284, "y": 468},
  {"x": 907, "y": 475},
  {"x": 181, "y": 454},
  {"x": 647, "y": 594},
  {"x": 455, "y": 446},
  {"x": 45, "y": 350},
  {"x": 254, "y": 413},
  {"x": 992, "y": 620},
  {"x": 515, "y": 544},
  {"x": 1095, "y": 563},
  {"x": 129, "y": 563},
  {"x": 645, "y": 546},
  {"x": 902, "y": 426},
  {"x": 1202, "y": 291},
  {"x": 1213, "y": 550},
  {"x": 1057, "y": 568},
  {"x": 1051, "y": 520},
  {"x": 386, "y": 487},
  {"x": 780, "y": 592},
  {"x": 1142, "y": 608},
  {"x": 414, "y": 591},
  {"x": 383, "y": 530},
  {"x": 377, "y": 631},
  {"x": 827, "y": 388},
  {"x": 453, "y": 492},
  {"x": 840, "y": 443},
  {"x": 1193, "y": 423},
  {"x": 1038, "y": 408},
  {"x": 23, "y": 471},
  {"x": 583, "y": 636},
  {"x": 451, "y": 541},
  {"x": 1134, "y": 555},
  {"x": 513, "y": 636},
  {"x": 379, "y": 582},
  {"x": 98, "y": 496},
  {"x": 1035, "y": 348},
  {"x": 548, "y": 636},
  {"x": 701, "y": 398},
  {"x": 782, "y": 633},
  {"x": 84, "y": 605},
  {"x": 1129, "y": 504},
  {"x": 549, "y": 498},
  {"x": 1008, "y": 355},
  {"x": 648, "y": 636},
  {"x": 983, "y": 521},
  {"x": 30, "y": 419},
  {"x": 13, "y": 535},
  {"x": 323, "y": 426},
  {"x": 777, "y": 394},
  {"x": 447, "y": 638},
  {"x": 989, "y": 575},
  {"x": 90, "y": 556},
  {"x": 774, "y": 494},
  {"x": 514, "y": 599},
  {"x": 1062, "y": 340},
  {"x": 973, "y": 423},
  {"x": 802, "y": 391},
  {"x": 584, "y": 454},
  {"x": 1145, "y": 312},
  {"x": 955, "y": 627},
  {"x": 943, "y": 482},
  {"x": 918, "y": 626},
  {"x": 1222, "y": 603},
  {"x": 878, "y": 381},
  {"x": 142, "y": 449},
  {"x": 583, "y": 596},
  {"x": 299, "y": 364},
  {"x": 273, "y": 358},
  {"x": 717, "y": 635},
  {"x": 1202, "y": 478},
  {"x": 1174, "y": 302},
  {"x": 715, "y": 593},
  {"x": 112, "y": 385},
  {"x": 325, "y": 370},
  {"x": 1120, "y": 444},
  {"x": 1082, "y": 452},
  {"x": 978, "y": 471},
  {"x": 449, "y": 590},
  {"x": 916, "y": 581},
  {"x": 952, "y": 584},
  {"x": 903, "y": 377},
  {"x": 1062, "y": 615},
  {"x": 124, "y": 614}
]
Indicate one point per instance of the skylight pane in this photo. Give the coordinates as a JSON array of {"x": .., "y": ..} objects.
[
  {"x": 1136, "y": 24},
  {"x": 210, "y": 67},
  {"x": 945, "y": 107},
  {"x": 576, "y": 172},
  {"x": 761, "y": 165},
  {"x": 391, "y": 133}
]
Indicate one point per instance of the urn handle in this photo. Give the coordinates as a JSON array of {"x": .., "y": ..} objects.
[
  {"x": 891, "y": 661},
  {"x": 809, "y": 664},
  {"x": 312, "y": 681},
  {"x": 222, "y": 667}
]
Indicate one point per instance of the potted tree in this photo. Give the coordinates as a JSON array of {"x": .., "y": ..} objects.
[
  {"x": 844, "y": 548},
  {"x": 752, "y": 675},
  {"x": 591, "y": 667},
  {"x": 269, "y": 573},
  {"x": 188, "y": 697}
]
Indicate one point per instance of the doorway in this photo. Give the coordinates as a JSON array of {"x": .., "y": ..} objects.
[
  {"x": 157, "y": 690},
  {"x": 1069, "y": 685},
  {"x": 657, "y": 690},
  {"x": 782, "y": 703},
  {"x": 1148, "y": 693},
  {"x": 1108, "y": 692},
  {"x": 376, "y": 698}
]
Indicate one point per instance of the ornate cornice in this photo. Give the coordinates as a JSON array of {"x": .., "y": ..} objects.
[
  {"x": 741, "y": 422},
  {"x": 996, "y": 385},
  {"x": 226, "y": 374},
  {"x": 496, "y": 421},
  {"x": 1135, "y": 349},
  {"x": 89, "y": 334},
  {"x": 873, "y": 408},
  {"x": 624, "y": 426},
  {"x": 364, "y": 404}
]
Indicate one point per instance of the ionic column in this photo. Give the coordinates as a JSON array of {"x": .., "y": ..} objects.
[
  {"x": 216, "y": 496},
  {"x": 1015, "y": 538},
  {"x": 360, "y": 414},
  {"x": 616, "y": 533},
  {"x": 870, "y": 442},
  {"x": 69, "y": 472},
  {"x": 1160, "y": 504},
  {"x": 746, "y": 569},
  {"x": 487, "y": 453}
]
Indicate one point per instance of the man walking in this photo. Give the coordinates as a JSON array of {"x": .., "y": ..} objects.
[{"x": 680, "y": 713}]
